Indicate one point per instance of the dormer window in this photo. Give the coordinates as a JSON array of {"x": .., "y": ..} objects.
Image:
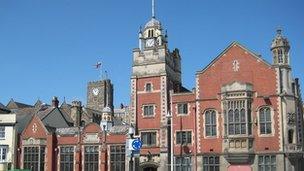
[{"x": 148, "y": 87}]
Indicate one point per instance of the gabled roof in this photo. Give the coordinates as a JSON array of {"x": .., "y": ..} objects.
[
  {"x": 47, "y": 130},
  {"x": 4, "y": 109},
  {"x": 91, "y": 112},
  {"x": 38, "y": 103},
  {"x": 227, "y": 49},
  {"x": 43, "y": 113},
  {"x": 16, "y": 105}
]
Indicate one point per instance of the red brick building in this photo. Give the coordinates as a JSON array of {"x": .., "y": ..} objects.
[{"x": 244, "y": 114}]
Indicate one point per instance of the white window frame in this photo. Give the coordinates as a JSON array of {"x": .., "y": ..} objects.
[
  {"x": 258, "y": 121},
  {"x": 3, "y": 153},
  {"x": 210, "y": 124},
  {"x": 2, "y": 132},
  {"x": 156, "y": 138},
  {"x": 183, "y": 112},
  {"x": 185, "y": 163},
  {"x": 211, "y": 165},
  {"x": 261, "y": 166},
  {"x": 151, "y": 87},
  {"x": 143, "y": 110},
  {"x": 186, "y": 133}
]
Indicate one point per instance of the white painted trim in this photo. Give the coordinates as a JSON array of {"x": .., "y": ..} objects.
[
  {"x": 157, "y": 142},
  {"x": 217, "y": 124},
  {"x": 182, "y": 114},
  {"x": 150, "y": 116},
  {"x": 258, "y": 121},
  {"x": 183, "y": 130}
]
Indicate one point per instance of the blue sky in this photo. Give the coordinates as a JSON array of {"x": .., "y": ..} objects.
[{"x": 47, "y": 48}]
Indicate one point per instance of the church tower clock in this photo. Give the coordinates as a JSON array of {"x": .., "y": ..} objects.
[
  {"x": 100, "y": 94},
  {"x": 155, "y": 72}
]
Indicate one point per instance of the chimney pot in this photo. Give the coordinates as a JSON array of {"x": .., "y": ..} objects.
[{"x": 55, "y": 102}]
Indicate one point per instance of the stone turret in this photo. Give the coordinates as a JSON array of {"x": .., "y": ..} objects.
[
  {"x": 76, "y": 112},
  {"x": 280, "y": 49}
]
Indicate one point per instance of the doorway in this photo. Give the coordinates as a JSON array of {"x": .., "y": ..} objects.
[
  {"x": 150, "y": 169},
  {"x": 239, "y": 168}
]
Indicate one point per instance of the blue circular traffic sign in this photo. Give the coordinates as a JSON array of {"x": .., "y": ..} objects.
[{"x": 136, "y": 144}]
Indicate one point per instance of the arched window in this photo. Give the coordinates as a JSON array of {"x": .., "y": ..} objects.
[
  {"x": 150, "y": 33},
  {"x": 265, "y": 120},
  {"x": 148, "y": 87},
  {"x": 210, "y": 123},
  {"x": 280, "y": 56}
]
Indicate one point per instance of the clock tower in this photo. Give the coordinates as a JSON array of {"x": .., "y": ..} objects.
[
  {"x": 156, "y": 71},
  {"x": 100, "y": 94}
]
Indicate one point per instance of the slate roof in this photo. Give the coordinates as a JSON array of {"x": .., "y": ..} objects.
[
  {"x": 43, "y": 112},
  {"x": 38, "y": 104},
  {"x": 16, "y": 105},
  {"x": 90, "y": 112},
  {"x": 68, "y": 131},
  {"x": 24, "y": 115},
  {"x": 4, "y": 109},
  {"x": 22, "y": 122},
  {"x": 119, "y": 129}
]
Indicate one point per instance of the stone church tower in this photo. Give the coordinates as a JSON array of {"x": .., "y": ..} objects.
[
  {"x": 100, "y": 94},
  {"x": 156, "y": 70}
]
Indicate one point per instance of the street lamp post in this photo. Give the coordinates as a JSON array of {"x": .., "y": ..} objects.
[
  {"x": 170, "y": 121},
  {"x": 131, "y": 132}
]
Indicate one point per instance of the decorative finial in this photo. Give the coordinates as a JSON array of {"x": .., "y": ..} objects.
[{"x": 153, "y": 8}]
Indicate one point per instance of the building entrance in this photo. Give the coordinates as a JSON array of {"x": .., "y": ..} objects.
[
  {"x": 239, "y": 168},
  {"x": 150, "y": 169}
]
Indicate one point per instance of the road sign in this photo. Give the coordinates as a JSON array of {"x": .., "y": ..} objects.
[{"x": 136, "y": 144}]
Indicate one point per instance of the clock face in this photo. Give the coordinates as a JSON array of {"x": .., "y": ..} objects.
[
  {"x": 95, "y": 91},
  {"x": 150, "y": 43}
]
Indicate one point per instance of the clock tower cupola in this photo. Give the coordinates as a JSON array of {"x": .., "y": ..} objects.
[{"x": 152, "y": 34}]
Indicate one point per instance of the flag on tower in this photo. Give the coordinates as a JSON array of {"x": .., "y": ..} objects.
[{"x": 97, "y": 65}]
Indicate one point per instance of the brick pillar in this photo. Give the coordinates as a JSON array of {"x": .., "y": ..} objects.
[
  {"x": 50, "y": 157},
  {"x": 104, "y": 160},
  {"x": 78, "y": 161}
]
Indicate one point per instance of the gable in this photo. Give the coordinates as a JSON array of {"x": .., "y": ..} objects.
[
  {"x": 236, "y": 64},
  {"x": 55, "y": 119},
  {"x": 230, "y": 48},
  {"x": 12, "y": 105},
  {"x": 35, "y": 129}
]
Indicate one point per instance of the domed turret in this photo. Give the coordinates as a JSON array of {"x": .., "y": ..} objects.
[
  {"x": 153, "y": 23},
  {"x": 151, "y": 35},
  {"x": 280, "y": 49}
]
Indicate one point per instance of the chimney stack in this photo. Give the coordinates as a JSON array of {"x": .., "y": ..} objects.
[{"x": 55, "y": 102}]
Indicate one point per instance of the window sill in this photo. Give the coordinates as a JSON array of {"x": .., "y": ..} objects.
[
  {"x": 266, "y": 135},
  {"x": 149, "y": 146},
  {"x": 149, "y": 117},
  {"x": 211, "y": 137},
  {"x": 186, "y": 144},
  {"x": 183, "y": 114}
]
